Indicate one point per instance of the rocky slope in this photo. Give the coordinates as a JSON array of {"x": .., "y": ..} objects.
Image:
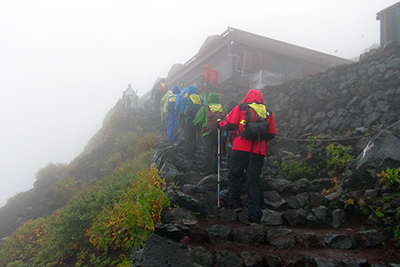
[
  {"x": 299, "y": 227},
  {"x": 355, "y": 221},
  {"x": 351, "y": 224}
]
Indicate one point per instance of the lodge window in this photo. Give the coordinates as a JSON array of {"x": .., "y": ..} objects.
[{"x": 291, "y": 70}]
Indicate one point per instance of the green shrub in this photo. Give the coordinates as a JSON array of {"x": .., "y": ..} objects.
[
  {"x": 379, "y": 213},
  {"x": 67, "y": 231},
  {"x": 131, "y": 220},
  {"x": 73, "y": 167},
  {"x": 51, "y": 169},
  {"x": 114, "y": 120},
  {"x": 130, "y": 191},
  {"x": 112, "y": 162},
  {"x": 295, "y": 170},
  {"x": 338, "y": 158},
  {"x": 148, "y": 142},
  {"x": 65, "y": 188},
  {"x": 389, "y": 177},
  {"x": 126, "y": 142},
  {"x": 27, "y": 242},
  {"x": 314, "y": 141}
]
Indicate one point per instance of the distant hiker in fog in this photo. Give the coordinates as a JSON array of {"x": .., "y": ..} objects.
[
  {"x": 164, "y": 111},
  {"x": 181, "y": 84},
  {"x": 210, "y": 79},
  {"x": 159, "y": 89},
  {"x": 207, "y": 119},
  {"x": 201, "y": 93},
  {"x": 180, "y": 106},
  {"x": 247, "y": 152},
  {"x": 194, "y": 103},
  {"x": 173, "y": 121},
  {"x": 130, "y": 98}
]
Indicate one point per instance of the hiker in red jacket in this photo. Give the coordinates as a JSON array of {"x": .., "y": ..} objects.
[
  {"x": 247, "y": 155},
  {"x": 210, "y": 79}
]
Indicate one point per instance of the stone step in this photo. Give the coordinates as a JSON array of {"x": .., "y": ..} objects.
[{"x": 257, "y": 245}]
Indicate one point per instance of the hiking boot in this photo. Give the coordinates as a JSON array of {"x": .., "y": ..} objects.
[
  {"x": 236, "y": 207},
  {"x": 249, "y": 223}
]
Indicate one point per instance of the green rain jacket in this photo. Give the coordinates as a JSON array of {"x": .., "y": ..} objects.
[
  {"x": 200, "y": 121},
  {"x": 163, "y": 102}
]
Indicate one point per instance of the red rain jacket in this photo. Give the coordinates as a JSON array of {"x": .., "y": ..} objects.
[
  {"x": 233, "y": 119},
  {"x": 211, "y": 76}
]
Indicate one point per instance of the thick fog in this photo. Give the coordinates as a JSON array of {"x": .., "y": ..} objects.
[{"x": 64, "y": 64}]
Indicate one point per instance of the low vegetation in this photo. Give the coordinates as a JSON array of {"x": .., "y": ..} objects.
[
  {"x": 102, "y": 222},
  {"x": 333, "y": 163}
]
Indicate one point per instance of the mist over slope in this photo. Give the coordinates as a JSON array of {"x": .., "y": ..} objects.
[{"x": 356, "y": 102}]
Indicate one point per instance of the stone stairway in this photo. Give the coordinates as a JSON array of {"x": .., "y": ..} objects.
[{"x": 299, "y": 227}]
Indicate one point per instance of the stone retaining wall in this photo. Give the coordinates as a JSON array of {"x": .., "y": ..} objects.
[{"x": 339, "y": 100}]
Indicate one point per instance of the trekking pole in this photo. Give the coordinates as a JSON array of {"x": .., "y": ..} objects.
[{"x": 219, "y": 159}]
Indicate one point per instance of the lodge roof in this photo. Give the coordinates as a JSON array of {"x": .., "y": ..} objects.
[{"x": 378, "y": 15}]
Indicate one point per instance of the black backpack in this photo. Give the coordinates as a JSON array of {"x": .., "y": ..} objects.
[
  {"x": 193, "y": 105},
  {"x": 255, "y": 127},
  {"x": 171, "y": 103}
]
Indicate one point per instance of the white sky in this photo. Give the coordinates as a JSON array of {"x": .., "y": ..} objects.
[{"x": 64, "y": 64}]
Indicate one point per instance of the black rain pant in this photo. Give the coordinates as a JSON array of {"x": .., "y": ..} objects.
[
  {"x": 190, "y": 140},
  {"x": 210, "y": 159},
  {"x": 239, "y": 162}
]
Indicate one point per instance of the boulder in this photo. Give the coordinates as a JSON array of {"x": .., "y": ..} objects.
[
  {"x": 161, "y": 248},
  {"x": 381, "y": 152},
  {"x": 319, "y": 217},
  {"x": 339, "y": 241},
  {"x": 298, "y": 201},
  {"x": 338, "y": 217},
  {"x": 309, "y": 240},
  {"x": 176, "y": 215},
  {"x": 251, "y": 258},
  {"x": 295, "y": 217},
  {"x": 281, "y": 238},
  {"x": 228, "y": 215},
  {"x": 300, "y": 186},
  {"x": 273, "y": 260},
  {"x": 273, "y": 200},
  {"x": 172, "y": 231},
  {"x": 202, "y": 257},
  {"x": 271, "y": 218},
  {"x": 226, "y": 258},
  {"x": 370, "y": 238},
  {"x": 220, "y": 231},
  {"x": 251, "y": 235},
  {"x": 185, "y": 201},
  {"x": 279, "y": 185}
]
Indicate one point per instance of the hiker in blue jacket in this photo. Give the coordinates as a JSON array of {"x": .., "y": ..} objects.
[
  {"x": 180, "y": 105},
  {"x": 173, "y": 122}
]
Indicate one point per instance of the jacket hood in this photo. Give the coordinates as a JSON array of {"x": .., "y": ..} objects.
[
  {"x": 176, "y": 90},
  {"x": 192, "y": 90},
  {"x": 254, "y": 96},
  {"x": 213, "y": 98},
  {"x": 185, "y": 90},
  {"x": 207, "y": 67}
]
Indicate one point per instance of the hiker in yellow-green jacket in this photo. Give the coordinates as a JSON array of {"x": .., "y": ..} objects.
[
  {"x": 207, "y": 119},
  {"x": 163, "y": 106}
]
